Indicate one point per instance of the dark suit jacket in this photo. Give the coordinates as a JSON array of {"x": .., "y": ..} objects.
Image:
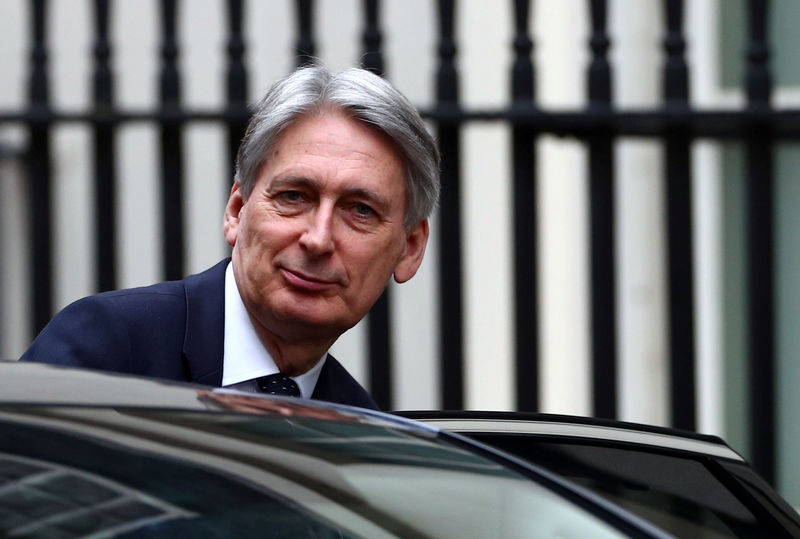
[{"x": 172, "y": 330}]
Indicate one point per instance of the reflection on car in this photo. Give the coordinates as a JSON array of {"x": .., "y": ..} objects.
[
  {"x": 88, "y": 454},
  {"x": 688, "y": 484}
]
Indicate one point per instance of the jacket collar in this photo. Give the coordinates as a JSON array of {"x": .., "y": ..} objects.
[{"x": 205, "y": 325}]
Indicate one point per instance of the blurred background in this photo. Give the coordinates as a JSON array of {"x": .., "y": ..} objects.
[{"x": 617, "y": 235}]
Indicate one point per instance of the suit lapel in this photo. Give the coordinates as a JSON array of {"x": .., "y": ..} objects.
[
  {"x": 325, "y": 388},
  {"x": 336, "y": 385},
  {"x": 205, "y": 325}
]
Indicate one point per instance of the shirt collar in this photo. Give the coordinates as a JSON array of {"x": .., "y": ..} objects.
[{"x": 244, "y": 356}]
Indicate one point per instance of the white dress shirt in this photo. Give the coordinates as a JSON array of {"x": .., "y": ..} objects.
[{"x": 245, "y": 358}]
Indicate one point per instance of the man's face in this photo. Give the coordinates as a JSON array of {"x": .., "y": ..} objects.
[{"x": 321, "y": 234}]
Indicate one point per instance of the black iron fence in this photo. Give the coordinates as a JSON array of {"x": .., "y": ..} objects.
[{"x": 675, "y": 122}]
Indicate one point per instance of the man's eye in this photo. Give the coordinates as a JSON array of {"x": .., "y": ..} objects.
[
  {"x": 362, "y": 210},
  {"x": 291, "y": 196}
]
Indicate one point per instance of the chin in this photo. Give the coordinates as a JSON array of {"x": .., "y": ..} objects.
[{"x": 311, "y": 319}]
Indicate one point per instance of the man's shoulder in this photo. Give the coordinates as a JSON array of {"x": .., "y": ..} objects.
[
  {"x": 139, "y": 330},
  {"x": 127, "y": 303},
  {"x": 166, "y": 292},
  {"x": 166, "y": 288}
]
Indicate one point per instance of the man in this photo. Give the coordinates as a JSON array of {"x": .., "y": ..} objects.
[{"x": 336, "y": 179}]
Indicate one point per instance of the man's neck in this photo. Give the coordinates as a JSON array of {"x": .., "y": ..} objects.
[{"x": 292, "y": 359}]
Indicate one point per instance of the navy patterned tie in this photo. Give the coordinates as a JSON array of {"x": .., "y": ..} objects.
[{"x": 278, "y": 384}]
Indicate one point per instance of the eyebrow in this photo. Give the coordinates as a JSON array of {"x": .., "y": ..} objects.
[{"x": 290, "y": 180}]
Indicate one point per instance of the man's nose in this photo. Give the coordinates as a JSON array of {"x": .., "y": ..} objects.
[{"x": 318, "y": 235}]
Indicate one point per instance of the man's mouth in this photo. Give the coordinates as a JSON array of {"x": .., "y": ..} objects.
[{"x": 310, "y": 283}]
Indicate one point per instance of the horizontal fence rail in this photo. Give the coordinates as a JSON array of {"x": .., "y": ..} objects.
[
  {"x": 721, "y": 124},
  {"x": 675, "y": 122}
]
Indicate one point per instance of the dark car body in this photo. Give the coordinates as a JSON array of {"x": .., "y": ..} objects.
[
  {"x": 87, "y": 454},
  {"x": 688, "y": 484}
]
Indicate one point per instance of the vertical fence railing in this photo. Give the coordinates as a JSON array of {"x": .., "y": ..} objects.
[
  {"x": 601, "y": 225},
  {"x": 449, "y": 135},
  {"x": 235, "y": 84},
  {"x": 372, "y": 38},
  {"x": 760, "y": 246},
  {"x": 379, "y": 342},
  {"x": 171, "y": 147},
  {"x": 103, "y": 144},
  {"x": 680, "y": 253},
  {"x": 305, "y": 48},
  {"x": 526, "y": 281},
  {"x": 39, "y": 170}
]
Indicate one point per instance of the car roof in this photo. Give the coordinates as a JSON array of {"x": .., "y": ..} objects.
[
  {"x": 574, "y": 427},
  {"x": 38, "y": 384}
]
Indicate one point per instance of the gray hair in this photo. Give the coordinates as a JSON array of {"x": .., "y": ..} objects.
[{"x": 364, "y": 97}]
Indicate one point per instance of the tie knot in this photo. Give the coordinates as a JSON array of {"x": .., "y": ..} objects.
[{"x": 278, "y": 384}]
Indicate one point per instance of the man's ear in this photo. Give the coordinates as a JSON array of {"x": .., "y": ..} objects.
[
  {"x": 416, "y": 240},
  {"x": 233, "y": 210}
]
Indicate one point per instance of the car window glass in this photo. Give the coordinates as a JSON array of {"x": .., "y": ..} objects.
[
  {"x": 681, "y": 495},
  {"x": 132, "y": 473}
]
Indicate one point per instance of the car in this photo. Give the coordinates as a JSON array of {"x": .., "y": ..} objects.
[
  {"x": 688, "y": 484},
  {"x": 91, "y": 454}
]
